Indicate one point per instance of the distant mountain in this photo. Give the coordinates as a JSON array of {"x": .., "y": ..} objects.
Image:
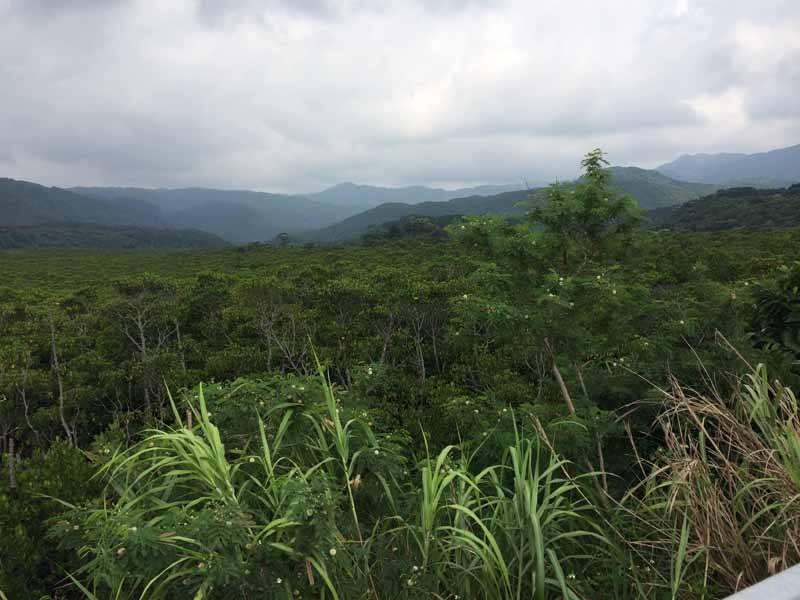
[
  {"x": 26, "y": 203},
  {"x": 734, "y": 208},
  {"x": 776, "y": 168},
  {"x": 77, "y": 235},
  {"x": 239, "y": 216},
  {"x": 654, "y": 190},
  {"x": 650, "y": 188},
  {"x": 358, "y": 225},
  {"x": 368, "y": 196}
]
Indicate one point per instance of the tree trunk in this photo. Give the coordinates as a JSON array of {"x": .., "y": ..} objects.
[
  {"x": 562, "y": 386},
  {"x": 180, "y": 345},
  {"x": 54, "y": 357}
]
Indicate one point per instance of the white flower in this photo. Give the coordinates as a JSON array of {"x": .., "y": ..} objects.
[
  {"x": 682, "y": 322},
  {"x": 465, "y": 296},
  {"x": 376, "y": 452},
  {"x": 475, "y": 411},
  {"x": 252, "y": 459},
  {"x": 415, "y": 568},
  {"x": 369, "y": 371},
  {"x": 614, "y": 292},
  {"x": 279, "y": 581},
  {"x": 134, "y": 529},
  {"x": 332, "y": 551}
]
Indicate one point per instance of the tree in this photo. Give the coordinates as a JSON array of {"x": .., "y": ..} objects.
[
  {"x": 582, "y": 218},
  {"x": 145, "y": 312}
]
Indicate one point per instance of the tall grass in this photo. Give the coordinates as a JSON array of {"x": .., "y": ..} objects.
[
  {"x": 182, "y": 479},
  {"x": 518, "y": 529},
  {"x": 290, "y": 515},
  {"x": 721, "y": 503}
]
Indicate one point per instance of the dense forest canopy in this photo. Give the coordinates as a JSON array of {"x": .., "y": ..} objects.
[{"x": 471, "y": 407}]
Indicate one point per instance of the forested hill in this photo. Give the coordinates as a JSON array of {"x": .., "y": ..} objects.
[
  {"x": 655, "y": 190},
  {"x": 80, "y": 235},
  {"x": 776, "y": 168},
  {"x": 650, "y": 188},
  {"x": 733, "y": 208},
  {"x": 360, "y": 224},
  {"x": 26, "y": 203}
]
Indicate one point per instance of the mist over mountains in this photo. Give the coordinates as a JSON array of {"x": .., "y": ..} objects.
[
  {"x": 776, "y": 168},
  {"x": 348, "y": 211},
  {"x": 368, "y": 196}
]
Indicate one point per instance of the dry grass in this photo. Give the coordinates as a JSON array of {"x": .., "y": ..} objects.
[{"x": 730, "y": 471}]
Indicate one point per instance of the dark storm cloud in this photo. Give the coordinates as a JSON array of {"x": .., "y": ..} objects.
[{"x": 295, "y": 95}]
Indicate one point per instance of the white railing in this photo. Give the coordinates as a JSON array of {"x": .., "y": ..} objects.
[{"x": 783, "y": 586}]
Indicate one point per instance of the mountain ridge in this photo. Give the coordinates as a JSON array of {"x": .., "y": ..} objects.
[
  {"x": 652, "y": 189},
  {"x": 369, "y": 196},
  {"x": 774, "y": 168}
]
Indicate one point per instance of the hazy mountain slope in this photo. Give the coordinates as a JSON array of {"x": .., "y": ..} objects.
[
  {"x": 357, "y": 225},
  {"x": 26, "y": 203},
  {"x": 77, "y": 235},
  {"x": 650, "y": 188},
  {"x": 368, "y": 196},
  {"x": 777, "y": 167},
  {"x": 743, "y": 207},
  {"x": 654, "y": 190},
  {"x": 238, "y": 216}
]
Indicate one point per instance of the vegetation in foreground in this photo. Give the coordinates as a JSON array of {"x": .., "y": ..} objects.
[{"x": 544, "y": 409}]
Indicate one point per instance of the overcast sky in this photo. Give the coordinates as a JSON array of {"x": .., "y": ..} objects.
[{"x": 296, "y": 95}]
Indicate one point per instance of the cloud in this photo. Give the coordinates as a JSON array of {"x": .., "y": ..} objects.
[{"x": 295, "y": 95}]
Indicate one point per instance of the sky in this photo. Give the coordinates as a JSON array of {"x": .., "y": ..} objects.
[{"x": 297, "y": 95}]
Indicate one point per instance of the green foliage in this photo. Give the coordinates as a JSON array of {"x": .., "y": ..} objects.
[
  {"x": 105, "y": 236},
  {"x": 466, "y": 379},
  {"x": 775, "y": 318},
  {"x": 583, "y": 218},
  {"x": 735, "y": 208},
  {"x": 31, "y": 567}
]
